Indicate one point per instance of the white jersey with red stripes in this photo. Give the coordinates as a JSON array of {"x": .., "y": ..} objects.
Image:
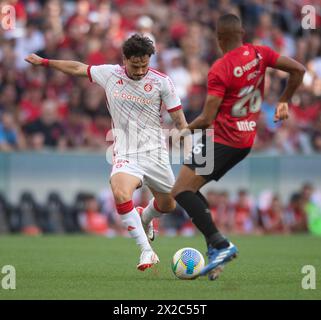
[{"x": 135, "y": 106}]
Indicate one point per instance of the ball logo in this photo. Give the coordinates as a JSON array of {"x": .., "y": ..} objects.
[
  {"x": 148, "y": 87},
  {"x": 238, "y": 72}
]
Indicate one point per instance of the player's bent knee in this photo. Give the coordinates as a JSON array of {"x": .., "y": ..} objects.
[
  {"x": 173, "y": 193},
  {"x": 167, "y": 207},
  {"x": 121, "y": 195},
  {"x": 176, "y": 191}
]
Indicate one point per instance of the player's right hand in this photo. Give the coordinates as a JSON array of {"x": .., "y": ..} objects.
[
  {"x": 34, "y": 59},
  {"x": 281, "y": 111}
]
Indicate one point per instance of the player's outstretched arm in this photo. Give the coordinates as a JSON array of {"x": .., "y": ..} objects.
[
  {"x": 74, "y": 68},
  {"x": 210, "y": 109},
  {"x": 296, "y": 71},
  {"x": 178, "y": 118}
]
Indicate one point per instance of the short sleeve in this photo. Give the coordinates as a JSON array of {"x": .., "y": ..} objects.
[
  {"x": 169, "y": 96},
  {"x": 100, "y": 74},
  {"x": 216, "y": 82},
  {"x": 269, "y": 56}
]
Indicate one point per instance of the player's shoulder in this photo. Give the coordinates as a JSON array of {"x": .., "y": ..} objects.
[
  {"x": 263, "y": 50},
  {"x": 242, "y": 54},
  {"x": 107, "y": 68},
  {"x": 157, "y": 74},
  {"x": 218, "y": 67},
  {"x": 161, "y": 78},
  {"x": 259, "y": 47},
  {"x": 218, "y": 63},
  {"x": 116, "y": 68}
]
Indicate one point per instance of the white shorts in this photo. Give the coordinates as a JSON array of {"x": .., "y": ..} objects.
[{"x": 156, "y": 174}]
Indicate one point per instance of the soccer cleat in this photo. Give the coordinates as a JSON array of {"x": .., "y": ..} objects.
[
  {"x": 149, "y": 228},
  {"x": 215, "y": 273},
  {"x": 217, "y": 259},
  {"x": 147, "y": 259}
]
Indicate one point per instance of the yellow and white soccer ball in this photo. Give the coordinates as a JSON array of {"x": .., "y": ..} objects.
[{"x": 187, "y": 263}]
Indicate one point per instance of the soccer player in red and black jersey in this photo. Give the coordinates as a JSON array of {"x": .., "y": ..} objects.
[{"x": 235, "y": 93}]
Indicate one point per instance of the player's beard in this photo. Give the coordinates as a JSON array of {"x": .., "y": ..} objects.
[{"x": 137, "y": 78}]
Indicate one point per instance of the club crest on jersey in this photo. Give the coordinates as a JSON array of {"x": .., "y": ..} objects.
[{"x": 148, "y": 87}]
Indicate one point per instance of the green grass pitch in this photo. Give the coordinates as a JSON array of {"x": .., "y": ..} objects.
[{"x": 89, "y": 267}]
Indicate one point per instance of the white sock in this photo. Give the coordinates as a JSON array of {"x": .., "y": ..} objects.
[
  {"x": 131, "y": 221},
  {"x": 150, "y": 212}
]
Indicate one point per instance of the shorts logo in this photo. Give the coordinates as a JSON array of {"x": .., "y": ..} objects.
[
  {"x": 119, "y": 163},
  {"x": 238, "y": 72},
  {"x": 148, "y": 87}
]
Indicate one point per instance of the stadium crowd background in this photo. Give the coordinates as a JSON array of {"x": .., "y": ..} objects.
[
  {"x": 45, "y": 109},
  {"x": 234, "y": 214}
]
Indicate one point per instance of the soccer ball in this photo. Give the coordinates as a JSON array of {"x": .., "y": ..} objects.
[{"x": 187, "y": 263}]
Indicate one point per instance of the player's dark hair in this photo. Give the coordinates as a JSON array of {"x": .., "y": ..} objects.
[
  {"x": 229, "y": 20},
  {"x": 138, "y": 46},
  {"x": 229, "y": 28}
]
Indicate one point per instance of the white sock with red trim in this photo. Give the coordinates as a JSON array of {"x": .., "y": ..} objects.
[
  {"x": 131, "y": 221},
  {"x": 151, "y": 212}
]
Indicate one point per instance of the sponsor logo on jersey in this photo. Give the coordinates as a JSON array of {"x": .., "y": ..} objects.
[
  {"x": 246, "y": 125},
  {"x": 130, "y": 97},
  {"x": 239, "y": 71}
]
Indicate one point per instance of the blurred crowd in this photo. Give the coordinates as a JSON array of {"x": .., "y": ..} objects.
[
  {"x": 42, "y": 108},
  {"x": 234, "y": 214}
]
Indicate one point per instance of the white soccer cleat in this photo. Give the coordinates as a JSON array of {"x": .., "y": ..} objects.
[
  {"x": 149, "y": 228},
  {"x": 147, "y": 259}
]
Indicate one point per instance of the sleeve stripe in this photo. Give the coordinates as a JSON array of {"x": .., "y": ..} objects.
[
  {"x": 89, "y": 74},
  {"x": 175, "y": 109}
]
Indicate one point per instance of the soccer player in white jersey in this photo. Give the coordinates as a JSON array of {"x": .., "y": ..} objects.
[{"x": 135, "y": 94}]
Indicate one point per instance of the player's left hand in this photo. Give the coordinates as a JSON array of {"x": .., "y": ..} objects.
[
  {"x": 281, "y": 111},
  {"x": 34, "y": 59},
  {"x": 188, "y": 144},
  {"x": 182, "y": 137}
]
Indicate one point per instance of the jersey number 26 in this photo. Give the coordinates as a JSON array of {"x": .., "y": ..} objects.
[{"x": 250, "y": 95}]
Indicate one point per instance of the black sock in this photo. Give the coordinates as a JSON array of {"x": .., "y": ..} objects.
[
  {"x": 199, "y": 194},
  {"x": 215, "y": 239},
  {"x": 200, "y": 214}
]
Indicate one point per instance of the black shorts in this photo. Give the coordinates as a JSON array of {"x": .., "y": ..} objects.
[{"x": 212, "y": 160}]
